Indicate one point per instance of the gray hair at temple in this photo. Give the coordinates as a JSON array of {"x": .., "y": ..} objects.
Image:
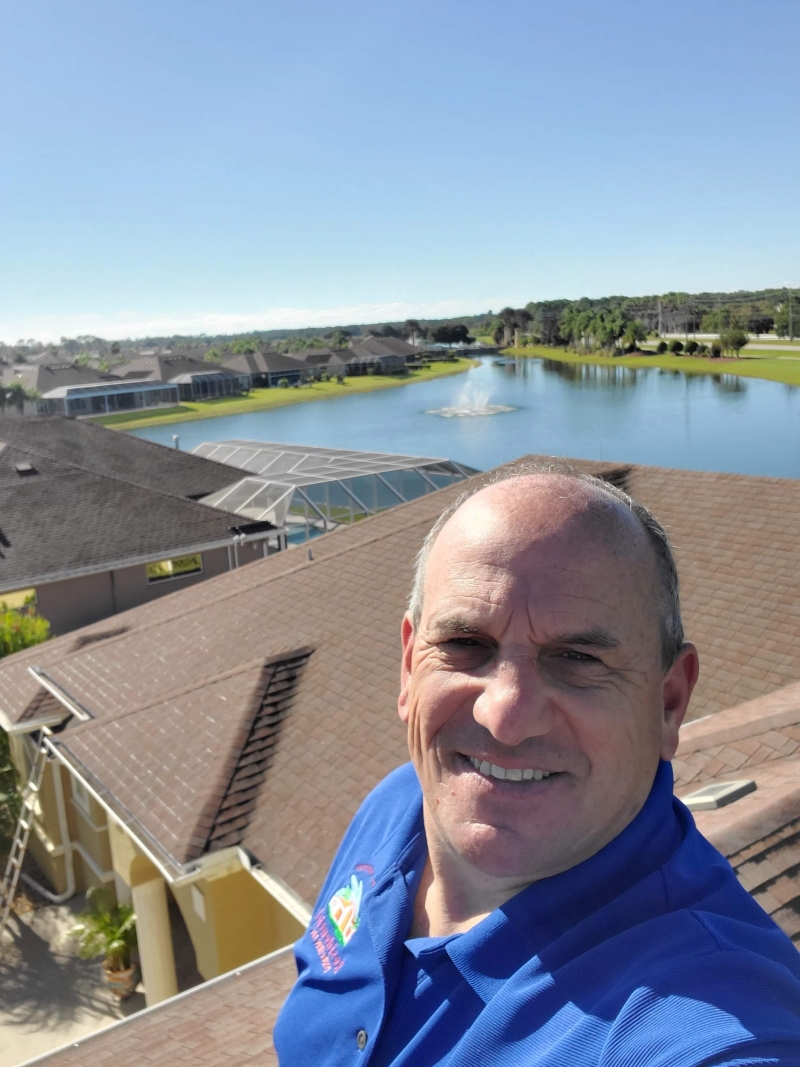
[{"x": 669, "y": 607}]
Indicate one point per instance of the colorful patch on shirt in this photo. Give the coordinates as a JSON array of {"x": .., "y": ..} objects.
[{"x": 343, "y": 909}]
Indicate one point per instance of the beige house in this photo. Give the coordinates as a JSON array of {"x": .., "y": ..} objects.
[
  {"x": 94, "y": 522},
  {"x": 210, "y": 748}
]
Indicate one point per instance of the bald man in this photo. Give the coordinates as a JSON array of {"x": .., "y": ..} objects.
[{"x": 527, "y": 890}]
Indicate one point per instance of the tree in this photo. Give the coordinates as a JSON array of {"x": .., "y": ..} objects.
[
  {"x": 413, "y": 330},
  {"x": 452, "y": 334},
  {"x": 760, "y": 322},
  {"x": 787, "y": 318},
  {"x": 213, "y": 355},
  {"x": 18, "y": 394},
  {"x": 733, "y": 339},
  {"x": 634, "y": 333}
]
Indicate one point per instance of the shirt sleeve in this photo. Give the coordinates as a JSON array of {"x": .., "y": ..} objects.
[{"x": 727, "y": 1009}]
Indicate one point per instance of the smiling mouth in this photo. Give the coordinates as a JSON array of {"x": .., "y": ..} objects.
[{"x": 509, "y": 774}]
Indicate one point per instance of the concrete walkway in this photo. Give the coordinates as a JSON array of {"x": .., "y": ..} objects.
[{"x": 48, "y": 996}]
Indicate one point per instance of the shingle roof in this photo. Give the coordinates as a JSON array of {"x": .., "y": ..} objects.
[
  {"x": 102, "y": 451},
  {"x": 737, "y": 553},
  {"x": 228, "y": 1020},
  {"x": 267, "y": 361},
  {"x": 759, "y": 833},
  {"x": 46, "y": 376},
  {"x": 58, "y": 517}
]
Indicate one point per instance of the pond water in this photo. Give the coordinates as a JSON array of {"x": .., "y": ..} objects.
[{"x": 648, "y": 415}]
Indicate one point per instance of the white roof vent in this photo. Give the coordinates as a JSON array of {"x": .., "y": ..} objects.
[{"x": 718, "y": 795}]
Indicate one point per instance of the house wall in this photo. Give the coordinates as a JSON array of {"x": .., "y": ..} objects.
[
  {"x": 87, "y": 827},
  {"x": 77, "y": 602},
  {"x": 242, "y": 921}
]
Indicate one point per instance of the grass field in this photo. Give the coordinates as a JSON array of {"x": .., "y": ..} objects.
[
  {"x": 265, "y": 399},
  {"x": 773, "y": 367}
]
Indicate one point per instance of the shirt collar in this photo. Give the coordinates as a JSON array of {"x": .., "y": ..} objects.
[{"x": 504, "y": 941}]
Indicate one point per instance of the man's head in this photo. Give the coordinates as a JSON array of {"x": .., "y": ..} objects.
[{"x": 543, "y": 639}]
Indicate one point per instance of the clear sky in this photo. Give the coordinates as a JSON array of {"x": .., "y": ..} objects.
[{"x": 224, "y": 165}]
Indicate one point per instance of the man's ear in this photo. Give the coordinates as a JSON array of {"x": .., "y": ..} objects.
[
  {"x": 679, "y": 681},
  {"x": 407, "y": 635}
]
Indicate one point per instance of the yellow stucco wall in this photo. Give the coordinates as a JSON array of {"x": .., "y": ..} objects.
[{"x": 242, "y": 922}]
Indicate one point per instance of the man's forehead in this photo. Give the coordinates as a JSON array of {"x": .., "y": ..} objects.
[
  {"x": 542, "y": 535},
  {"x": 535, "y": 510}
]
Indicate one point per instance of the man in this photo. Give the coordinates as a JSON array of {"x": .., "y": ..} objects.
[{"x": 528, "y": 891}]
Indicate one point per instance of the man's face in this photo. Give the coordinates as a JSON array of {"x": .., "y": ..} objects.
[{"x": 533, "y": 690}]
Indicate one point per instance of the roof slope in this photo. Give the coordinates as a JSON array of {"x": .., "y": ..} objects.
[
  {"x": 738, "y": 555},
  {"x": 57, "y": 519},
  {"x": 51, "y": 375},
  {"x": 228, "y": 1020},
  {"x": 102, "y": 451},
  {"x": 759, "y": 833}
]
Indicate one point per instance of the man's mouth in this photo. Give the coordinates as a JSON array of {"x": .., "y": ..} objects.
[{"x": 508, "y": 774}]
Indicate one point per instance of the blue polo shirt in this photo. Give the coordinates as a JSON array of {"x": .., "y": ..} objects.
[{"x": 648, "y": 954}]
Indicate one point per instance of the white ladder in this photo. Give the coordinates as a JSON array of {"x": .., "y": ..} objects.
[{"x": 30, "y": 794}]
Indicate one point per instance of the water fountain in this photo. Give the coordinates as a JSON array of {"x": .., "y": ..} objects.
[{"x": 471, "y": 402}]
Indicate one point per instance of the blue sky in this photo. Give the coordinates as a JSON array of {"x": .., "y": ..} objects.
[{"x": 188, "y": 165}]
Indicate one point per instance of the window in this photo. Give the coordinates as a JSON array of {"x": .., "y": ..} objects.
[
  {"x": 80, "y": 795},
  {"x": 181, "y": 567}
]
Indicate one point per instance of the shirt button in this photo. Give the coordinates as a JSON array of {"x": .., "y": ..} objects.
[{"x": 361, "y": 1040}]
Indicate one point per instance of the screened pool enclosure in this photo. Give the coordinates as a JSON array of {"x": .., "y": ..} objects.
[{"x": 310, "y": 490}]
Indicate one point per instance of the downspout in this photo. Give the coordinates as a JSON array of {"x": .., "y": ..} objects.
[{"x": 63, "y": 829}]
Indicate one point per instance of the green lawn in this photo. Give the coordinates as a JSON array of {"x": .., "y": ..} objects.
[
  {"x": 778, "y": 367},
  {"x": 264, "y": 399}
]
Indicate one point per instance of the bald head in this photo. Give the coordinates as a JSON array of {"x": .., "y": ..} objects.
[{"x": 530, "y": 504}]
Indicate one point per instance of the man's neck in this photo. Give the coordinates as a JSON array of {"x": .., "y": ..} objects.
[{"x": 453, "y": 896}]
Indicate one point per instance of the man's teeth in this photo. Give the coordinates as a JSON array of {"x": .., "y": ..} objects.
[{"x": 512, "y": 774}]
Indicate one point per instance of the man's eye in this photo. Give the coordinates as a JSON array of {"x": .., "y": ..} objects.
[
  {"x": 462, "y": 642},
  {"x": 577, "y": 657}
]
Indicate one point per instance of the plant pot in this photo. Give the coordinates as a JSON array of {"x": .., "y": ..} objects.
[{"x": 122, "y": 983}]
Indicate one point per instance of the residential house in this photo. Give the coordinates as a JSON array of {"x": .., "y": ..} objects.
[
  {"x": 104, "y": 397},
  {"x": 195, "y": 378},
  {"x": 93, "y": 522},
  {"x": 268, "y": 368},
  {"x": 204, "y": 743}
]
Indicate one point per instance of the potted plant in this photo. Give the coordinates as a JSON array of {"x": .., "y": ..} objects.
[{"x": 109, "y": 930}]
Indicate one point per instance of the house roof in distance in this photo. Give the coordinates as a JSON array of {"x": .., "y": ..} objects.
[
  {"x": 44, "y": 377},
  {"x": 265, "y": 361},
  {"x": 76, "y": 498},
  {"x": 202, "y": 654}
]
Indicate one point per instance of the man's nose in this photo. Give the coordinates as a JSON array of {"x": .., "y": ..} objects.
[{"x": 514, "y": 704}]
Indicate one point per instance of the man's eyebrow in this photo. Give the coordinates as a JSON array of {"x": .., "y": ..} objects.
[
  {"x": 454, "y": 624},
  {"x": 595, "y": 638}
]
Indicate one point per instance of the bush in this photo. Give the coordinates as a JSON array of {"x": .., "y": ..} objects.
[
  {"x": 340, "y": 379},
  {"x": 283, "y": 383},
  {"x": 662, "y": 348},
  {"x": 716, "y": 351},
  {"x": 691, "y": 348},
  {"x": 702, "y": 350},
  {"x": 21, "y": 629},
  {"x": 107, "y": 930},
  {"x": 676, "y": 347}
]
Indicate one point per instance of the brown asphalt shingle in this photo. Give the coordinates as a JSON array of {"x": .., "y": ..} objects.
[{"x": 226, "y": 1021}]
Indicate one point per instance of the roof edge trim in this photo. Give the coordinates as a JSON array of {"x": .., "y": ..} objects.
[
  {"x": 133, "y": 561},
  {"x": 229, "y": 976}
]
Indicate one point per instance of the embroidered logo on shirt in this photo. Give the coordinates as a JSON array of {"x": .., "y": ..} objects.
[{"x": 343, "y": 909}]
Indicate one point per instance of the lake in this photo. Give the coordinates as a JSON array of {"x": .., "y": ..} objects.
[{"x": 652, "y": 416}]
